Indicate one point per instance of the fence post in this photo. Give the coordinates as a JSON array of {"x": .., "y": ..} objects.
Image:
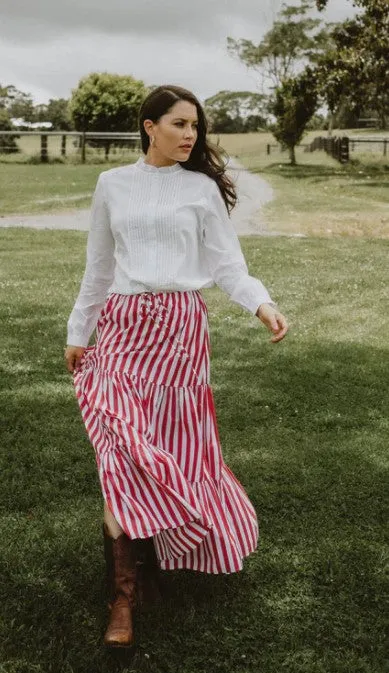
[
  {"x": 83, "y": 151},
  {"x": 63, "y": 146},
  {"x": 385, "y": 147},
  {"x": 44, "y": 155},
  {"x": 268, "y": 149},
  {"x": 344, "y": 150}
]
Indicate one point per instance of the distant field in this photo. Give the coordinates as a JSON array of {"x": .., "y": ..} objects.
[
  {"x": 30, "y": 146},
  {"x": 233, "y": 143},
  {"x": 256, "y": 143}
]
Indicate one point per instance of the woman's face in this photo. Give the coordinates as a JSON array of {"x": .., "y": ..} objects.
[{"x": 175, "y": 133}]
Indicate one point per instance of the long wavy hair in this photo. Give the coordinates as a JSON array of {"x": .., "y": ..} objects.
[{"x": 205, "y": 156}]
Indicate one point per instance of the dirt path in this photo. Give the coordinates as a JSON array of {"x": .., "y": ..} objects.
[{"x": 253, "y": 193}]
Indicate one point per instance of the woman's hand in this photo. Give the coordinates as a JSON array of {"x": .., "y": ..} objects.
[
  {"x": 73, "y": 355},
  {"x": 274, "y": 321}
]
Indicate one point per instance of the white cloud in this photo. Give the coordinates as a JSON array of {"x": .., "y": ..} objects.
[{"x": 47, "y": 45}]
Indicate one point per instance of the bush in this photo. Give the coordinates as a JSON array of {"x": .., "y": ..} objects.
[{"x": 7, "y": 143}]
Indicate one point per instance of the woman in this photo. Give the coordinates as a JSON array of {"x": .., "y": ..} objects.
[{"x": 160, "y": 232}]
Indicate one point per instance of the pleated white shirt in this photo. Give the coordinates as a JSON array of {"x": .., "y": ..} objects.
[{"x": 159, "y": 230}]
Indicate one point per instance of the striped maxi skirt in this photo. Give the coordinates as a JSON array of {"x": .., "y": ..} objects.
[{"x": 145, "y": 398}]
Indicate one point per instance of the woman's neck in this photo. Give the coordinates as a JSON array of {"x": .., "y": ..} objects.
[{"x": 156, "y": 159}]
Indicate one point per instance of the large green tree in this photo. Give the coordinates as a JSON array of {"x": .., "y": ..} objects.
[
  {"x": 236, "y": 111},
  {"x": 355, "y": 68},
  {"x": 107, "y": 102},
  {"x": 294, "y": 105}
]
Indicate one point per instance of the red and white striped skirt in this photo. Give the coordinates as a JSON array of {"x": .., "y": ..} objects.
[{"x": 146, "y": 401}]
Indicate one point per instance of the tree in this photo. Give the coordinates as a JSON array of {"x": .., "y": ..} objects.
[
  {"x": 356, "y": 68},
  {"x": 294, "y": 105},
  {"x": 57, "y": 112},
  {"x": 236, "y": 111},
  {"x": 7, "y": 143},
  {"x": 294, "y": 39},
  {"x": 372, "y": 5},
  {"x": 18, "y": 103},
  {"x": 107, "y": 102}
]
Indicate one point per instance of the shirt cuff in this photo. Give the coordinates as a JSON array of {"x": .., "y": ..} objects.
[
  {"x": 250, "y": 293},
  {"x": 74, "y": 339}
]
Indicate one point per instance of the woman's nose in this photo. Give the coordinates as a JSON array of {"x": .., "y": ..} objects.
[{"x": 189, "y": 133}]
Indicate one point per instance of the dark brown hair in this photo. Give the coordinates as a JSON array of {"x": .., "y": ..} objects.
[{"x": 205, "y": 157}]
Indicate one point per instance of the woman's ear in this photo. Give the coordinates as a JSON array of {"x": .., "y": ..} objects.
[{"x": 148, "y": 125}]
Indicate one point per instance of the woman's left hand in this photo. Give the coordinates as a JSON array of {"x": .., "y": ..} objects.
[{"x": 274, "y": 321}]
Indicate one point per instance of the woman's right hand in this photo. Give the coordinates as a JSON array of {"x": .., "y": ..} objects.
[{"x": 73, "y": 355}]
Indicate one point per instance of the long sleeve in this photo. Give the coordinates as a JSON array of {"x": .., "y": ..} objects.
[
  {"x": 99, "y": 271},
  {"x": 225, "y": 259}
]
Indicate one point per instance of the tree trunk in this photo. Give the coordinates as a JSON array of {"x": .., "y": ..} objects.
[
  {"x": 292, "y": 155},
  {"x": 330, "y": 125},
  {"x": 383, "y": 121}
]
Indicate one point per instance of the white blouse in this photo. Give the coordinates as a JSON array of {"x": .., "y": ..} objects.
[{"x": 159, "y": 230}]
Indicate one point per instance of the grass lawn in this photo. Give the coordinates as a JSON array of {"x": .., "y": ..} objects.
[
  {"x": 319, "y": 197},
  {"x": 42, "y": 188},
  {"x": 304, "y": 426}
]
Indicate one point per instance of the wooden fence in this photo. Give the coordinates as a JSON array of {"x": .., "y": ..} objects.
[
  {"x": 337, "y": 147},
  {"x": 341, "y": 147},
  {"x": 89, "y": 138}
]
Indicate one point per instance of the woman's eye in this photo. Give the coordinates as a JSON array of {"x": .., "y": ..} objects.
[{"x": 195, "y": 126}]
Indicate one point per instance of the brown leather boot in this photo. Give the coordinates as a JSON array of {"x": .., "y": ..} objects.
[
  {"x": 148, "y": 583},
  {"x": 120, "y": 559}
]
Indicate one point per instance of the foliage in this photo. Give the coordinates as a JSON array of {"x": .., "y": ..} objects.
[
  {"x": 57, "y": 112},
  {"x": 236, "y": 112},
  {"x": 349, "y": 115},
  {"x": 294, "y": 39},
  {"x": 107, "y": 102},
  {"x": 371, "y": 5},
  {"x": 316, "y": 123},
  {"x": 356, "y": 66},
  {"x": 18, "y": 103},
  {"x": 7, "y": 143},
  {"x": 294, "y": 105}
]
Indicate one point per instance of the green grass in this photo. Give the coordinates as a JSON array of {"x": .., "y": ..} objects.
[
  {"x": 304, "y": 426},
  {"x": 321, "y": 197},
  {"x": 47, "y": 188}
]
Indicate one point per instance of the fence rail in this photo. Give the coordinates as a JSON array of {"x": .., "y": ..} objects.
[
  {"x": 103, "y": 139},
  {"x": 340, "y": 147},
  {"x": 384, "y": 142},
  {"x": 280, "y": 148}
]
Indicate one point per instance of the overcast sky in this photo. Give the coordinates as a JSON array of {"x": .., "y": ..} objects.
[{"x": 46, "y": 46}]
